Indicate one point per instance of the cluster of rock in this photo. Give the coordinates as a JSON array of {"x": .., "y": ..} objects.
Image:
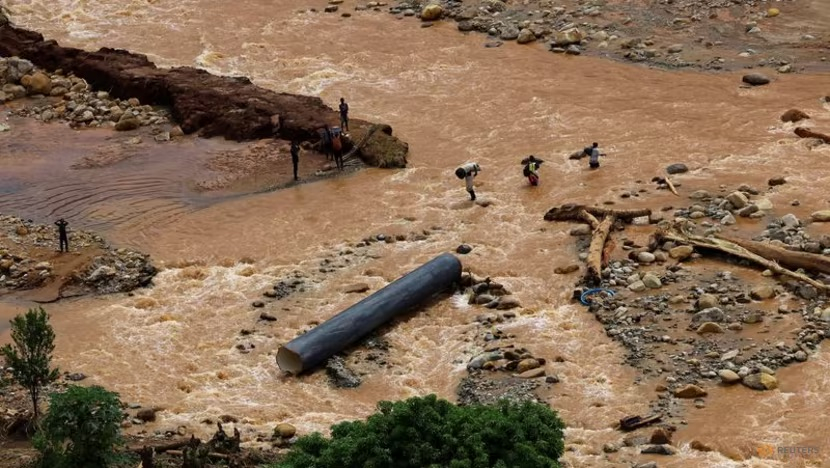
[
  {"x": 72, "y": 99},
  {"x": 114, "y": 270},
  {"x": 503, "y": 369}
]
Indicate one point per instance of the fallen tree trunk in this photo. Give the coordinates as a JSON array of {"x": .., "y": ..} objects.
[
  {"x": 593, "y": 274},
  {"x": 571, "y": 212},
  {"x": 788, "y": 258},
  {"x": 589, "y": 218},
  {"x": 807, "y": 133},
  {"x": 347, "y": 327},
  {"x": 731, "y": 248}
]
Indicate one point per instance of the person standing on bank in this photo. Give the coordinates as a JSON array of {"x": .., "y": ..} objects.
[
  {"x": 344, "y": 115},
  {"x": 295, "y": 157},
  {"x": 468, "y": 172},
  {"x": 63, "y": 238},
  {"x": 337, "y": 149}
]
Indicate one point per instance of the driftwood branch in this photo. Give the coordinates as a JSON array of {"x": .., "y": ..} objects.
[
  {"x": 732, "y": 248},
  {"x": 571, "y": 212},
  {"x": 593, "y": 274},
  {"x": 671, "y": 185},
  {"x": 787, "y": 258},
  {"x": 589, "y": 218}
]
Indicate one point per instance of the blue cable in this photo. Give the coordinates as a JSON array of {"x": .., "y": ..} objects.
[{"x": 591, "y": 292}]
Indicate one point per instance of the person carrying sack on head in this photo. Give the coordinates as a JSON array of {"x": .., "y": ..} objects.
[{"x": 468, "y": 172}]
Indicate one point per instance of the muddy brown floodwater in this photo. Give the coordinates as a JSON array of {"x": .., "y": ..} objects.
[{"x": 454, "y": 101}]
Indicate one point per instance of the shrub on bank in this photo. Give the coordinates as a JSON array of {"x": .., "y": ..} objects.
[
  {"x": 81, "y": 429},
  {"x": 432, "y": 433}
]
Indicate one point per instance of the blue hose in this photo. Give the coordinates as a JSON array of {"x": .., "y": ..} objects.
[{"x": 584, "y": 297}]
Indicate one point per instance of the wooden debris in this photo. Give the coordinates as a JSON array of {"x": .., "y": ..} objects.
[
  {"x": 787, "y": 258},
  {"x": 571, "y": 212},
  {"x": 673, "y": 233},
  {"x": 629, "y": 423},
  {"x": 593, "y": 275},
  {"x": 671, "y": 185}
]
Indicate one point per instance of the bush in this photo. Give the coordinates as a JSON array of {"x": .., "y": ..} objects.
[
  {"x": 31, "y": 356},
  {"x": 81, "y": 428},
  {"x": 433, "y": 433}
]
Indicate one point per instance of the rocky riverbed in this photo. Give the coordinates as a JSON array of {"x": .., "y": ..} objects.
[
  {"x": 703, "y": 34},
  {"x": 30, "y": 261}
]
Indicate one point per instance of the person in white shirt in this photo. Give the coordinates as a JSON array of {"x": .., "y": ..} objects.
[
  {"x": 593, "y": 155},
  {"x": 468, "y": 172}
]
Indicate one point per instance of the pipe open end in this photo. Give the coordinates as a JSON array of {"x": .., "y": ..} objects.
[{"x": 289, "y": 361}]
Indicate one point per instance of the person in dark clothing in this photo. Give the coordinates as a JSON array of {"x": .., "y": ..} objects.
[
  {"x": 344, "y": 115},
  {"x": 63, "y": 239},
  {"x": 295, "y": 157},
  {"x": 325, "y": 142}
]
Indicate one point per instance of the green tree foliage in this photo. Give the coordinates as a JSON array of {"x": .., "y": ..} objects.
[
  {"x": 81, "y": 429},
  {"x": 432, "y": 433},
  {"x": 31, "y": 356}
]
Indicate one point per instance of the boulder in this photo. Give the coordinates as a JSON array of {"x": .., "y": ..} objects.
[
  {"x": 341, "y": 376},
  {"x": 581, "y": 230},
  {"x": 681, "y": 252},
  {"x": 677, "y": 168},
  {"x": 690, "y": 391},
  {"x": 568, "y": 37},
  {"x": 127, "y": 122},
  {"x": 526, "y": 365},
  {"x": 463, "y": 249},
  {"x": 507, "y": 303},
  {"x": 822, "y": 216},
  {"x": 660, "y": 436},
  {"x": 16, "y": 68},
  {"x": 794, "y": 115},
  {"x": 526, "y": 36},
  {"x": 728, "y": 377},
  {"x": 432, "y": 12},
  {"x": 712, "y": 314},
  {"x": 146, "y": 414},
  {"x": 700, "y": 446},
  {"x": 381, "y": 149},
  {"x": 709, "y": 327},
  {"x": 645, "y": 257},
  {"x": 762, "y": 292},
  {"x": 659, "y": 449},
  {"x": 760, "y": 381},
  {"x": 706, "y": 301},
  {"x": 776, "y": 181},
  {"x": 737, "y": 199},
  {"x": 285, "y": 431},
  {"x": 37, "y": 83},
  {"x": 509, "y": 33},
  {"x": 651, "y": 281},
  {"x": 637, "y": 286},
  {"x": 13, "y": 91},
  {"x": 755, "y": 79},
  {"x": 532, "y": 373}
]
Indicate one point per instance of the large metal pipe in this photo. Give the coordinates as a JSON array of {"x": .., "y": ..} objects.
[{"x": 347, "y": 327}]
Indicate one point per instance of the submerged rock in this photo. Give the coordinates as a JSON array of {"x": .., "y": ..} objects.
[{"x": 341, "y": 376}]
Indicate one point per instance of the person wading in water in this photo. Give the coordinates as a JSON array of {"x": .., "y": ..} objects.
[
  {"x": 468, "y": 172},
  {"x": 593, "y": 155},
  {"x": 531, "y": 169},
  {"x": 63, "y": 239}
]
